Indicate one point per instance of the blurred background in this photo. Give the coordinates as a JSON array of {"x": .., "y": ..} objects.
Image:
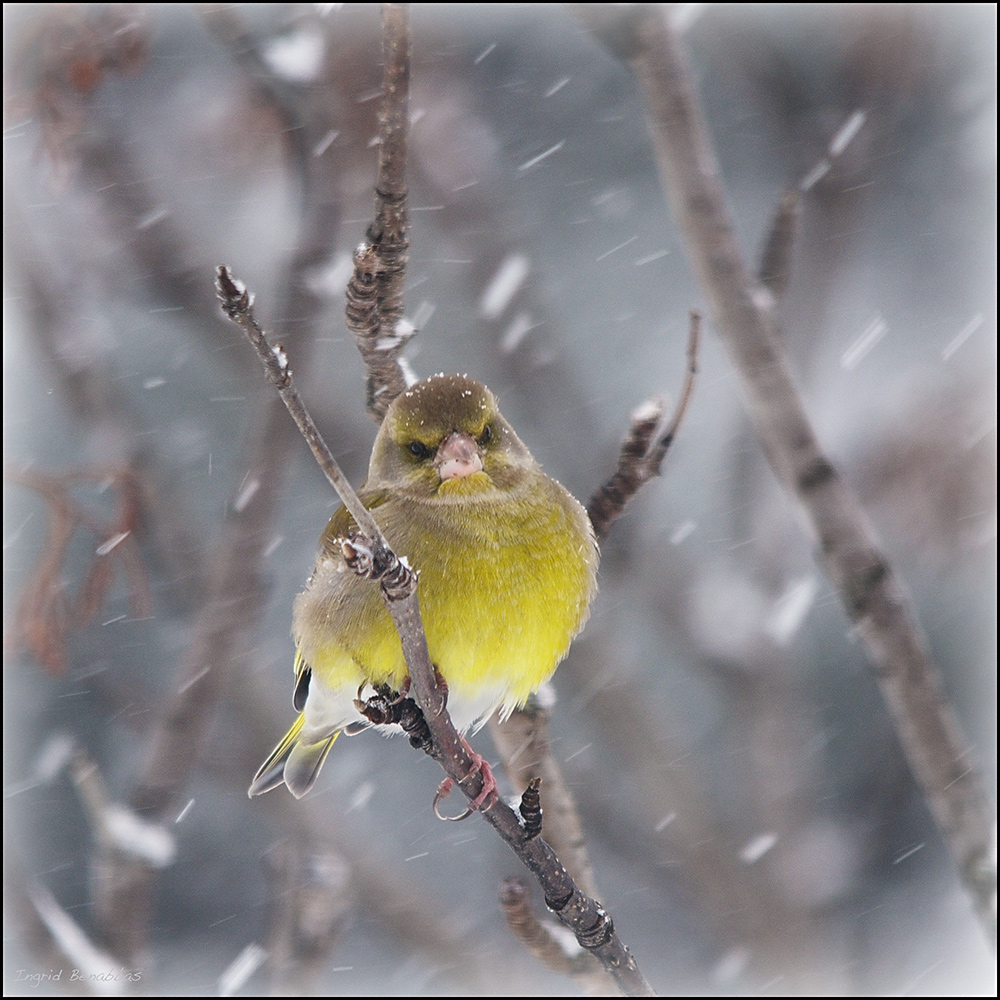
[{"x": 752, "y": 822}]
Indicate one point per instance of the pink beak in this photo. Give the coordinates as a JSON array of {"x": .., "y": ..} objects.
[{"x": 458, "y": 457}]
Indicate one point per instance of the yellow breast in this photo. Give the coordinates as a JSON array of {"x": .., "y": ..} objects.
[{"x": 505, "y": 583}]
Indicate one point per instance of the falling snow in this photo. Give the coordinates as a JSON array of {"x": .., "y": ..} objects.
[
  {"x": 962, "y": 336},
  {"x": 246, "y": 493},
  {"x": 515, "y": 333},
  {"x": 504, "y": 285},
  {"x": 847, "y": 132},
  {"x": 861, "y": 347},
  {"x": 682, "y": 531},
  {"x": 133, "y": 835},
  {"x": 297, "y": 57},
  {"x": 542, "y": 156},
  {"x": 791, "y": 609},
  {"x": 241, "y": 969},
  {"x": 756, "y": 848}
]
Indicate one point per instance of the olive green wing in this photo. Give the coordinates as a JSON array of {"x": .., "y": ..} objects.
[{"x": 340, "y": 526}]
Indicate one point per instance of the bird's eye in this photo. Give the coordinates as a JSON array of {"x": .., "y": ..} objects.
[
  {"x": 486, "y": 437},
  {"x": 418, "y": 449}
]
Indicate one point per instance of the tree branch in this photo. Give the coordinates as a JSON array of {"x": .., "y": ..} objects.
[
  {"x": 644, "y": 448},
  {"x": 375, "y": 291},
  {"x": 523, "y": 744}
]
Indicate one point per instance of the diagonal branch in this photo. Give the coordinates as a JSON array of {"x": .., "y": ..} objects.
[
  {"x": 644, "y": 448},
  {"x": 872, "y": 594}
]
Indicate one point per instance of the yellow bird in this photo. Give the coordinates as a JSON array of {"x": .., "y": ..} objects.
[{"x": 506, "y": 560}]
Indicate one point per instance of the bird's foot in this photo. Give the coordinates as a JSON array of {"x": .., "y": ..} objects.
[
  {"x": 488, "y": 794},
  {"x": 381, "y": 708}
]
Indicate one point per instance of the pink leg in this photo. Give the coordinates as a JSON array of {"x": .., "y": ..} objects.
[
  {"x": 488, "y": 794},
  {"x": 489, "y": 782}
]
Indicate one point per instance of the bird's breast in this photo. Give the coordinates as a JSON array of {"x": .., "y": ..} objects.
[{"x": 503, "y": 589}]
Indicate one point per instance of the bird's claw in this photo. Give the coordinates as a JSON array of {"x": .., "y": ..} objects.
[
  {"x": 488, "y": 794},
  {"x": 444, "y": 790}
]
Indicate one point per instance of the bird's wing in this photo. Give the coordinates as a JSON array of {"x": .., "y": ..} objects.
[
  {"x": 342, "y": 525},
  {"x": 303, "y": 674}
]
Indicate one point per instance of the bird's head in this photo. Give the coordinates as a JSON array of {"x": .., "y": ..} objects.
[{"x": 445, "y": 437}]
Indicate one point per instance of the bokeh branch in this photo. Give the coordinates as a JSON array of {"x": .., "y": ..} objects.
[
  {"x": 46, "y": 614},
  {"x": 870, "y": 590}
]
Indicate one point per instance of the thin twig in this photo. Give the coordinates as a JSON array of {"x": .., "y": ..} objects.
[
  {"x": 872, "y": 594},
  {"x": 238, "y": 306},
  {"x": 644, "y": 448}
]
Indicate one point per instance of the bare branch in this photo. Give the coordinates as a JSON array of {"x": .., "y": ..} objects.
[
  {"x": 522, "y": 742},
  {"x": 872, "y": 594},
  {"x": 374, "y": 308},
  {"x": 515, "y": 902},
  {"x": 644, "y": 448},
  {"x": 547, "y": 805},
  {"x": 388, "y": 232}
]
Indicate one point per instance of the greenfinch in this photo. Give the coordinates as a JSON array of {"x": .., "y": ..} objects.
[{"x": 506, "y": 559}]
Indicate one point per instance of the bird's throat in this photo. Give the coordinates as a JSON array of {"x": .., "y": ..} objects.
[{"x": 466, "y": 486}]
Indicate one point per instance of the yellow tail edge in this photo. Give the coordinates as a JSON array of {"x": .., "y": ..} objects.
[{"x": 293, "y": 762}]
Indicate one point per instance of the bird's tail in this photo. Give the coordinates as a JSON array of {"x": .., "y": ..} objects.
[{"x": 293, "y": 761}]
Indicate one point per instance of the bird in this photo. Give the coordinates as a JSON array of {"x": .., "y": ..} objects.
[{"x": 506, "y": 560}]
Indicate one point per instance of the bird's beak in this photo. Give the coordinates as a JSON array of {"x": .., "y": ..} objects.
[{"x": 458, "y": 457}]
